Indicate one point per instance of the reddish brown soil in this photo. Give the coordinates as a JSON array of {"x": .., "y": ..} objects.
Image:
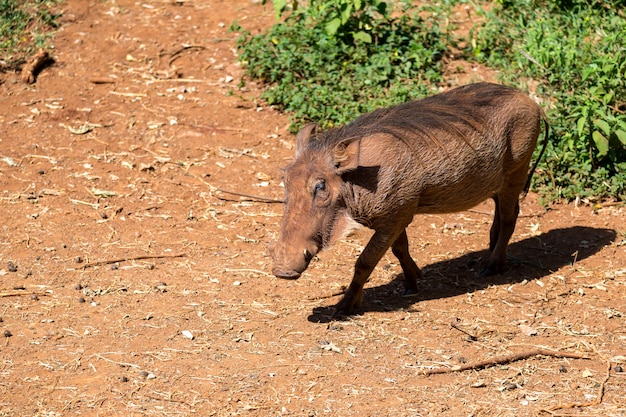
[{"x": 131, "y": 286}]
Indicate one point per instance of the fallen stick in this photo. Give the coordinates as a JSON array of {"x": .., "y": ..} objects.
[
  {"x": 36, "y": 64},
  {"x": 502, "y": 360},
  {"x": 213, "y": 188},
  {"x": 17, "y": 293},
  {"x": 250, "y": 197},
  {"x": 132, "y": 258}
]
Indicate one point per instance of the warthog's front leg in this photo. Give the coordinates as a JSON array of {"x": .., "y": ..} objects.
[{"x": 365, "y": 264}]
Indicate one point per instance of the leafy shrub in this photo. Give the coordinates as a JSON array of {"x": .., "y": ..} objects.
[
  {"x": 576, "y": 51},
  {"x": 336, "y": 59}
]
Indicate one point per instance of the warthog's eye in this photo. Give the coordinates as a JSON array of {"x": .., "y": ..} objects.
[{"x": 320, "y": 186}]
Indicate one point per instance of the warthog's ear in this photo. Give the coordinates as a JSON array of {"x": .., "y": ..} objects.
[
  {"x": 346, "y": 154},
  {"x": 304, "y": 137}
]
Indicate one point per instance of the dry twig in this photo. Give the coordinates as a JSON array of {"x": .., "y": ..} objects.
[
  {"x": 17, "y": 293},
  {"x": 504, "y": 359},
  {"x": 131, "y": 258},
  {"x": 249, "y": 197}
]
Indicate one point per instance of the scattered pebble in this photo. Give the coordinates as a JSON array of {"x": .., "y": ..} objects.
[
  {"x": 618, "y": 368},
  {"x": 563, "y": 369},
  {"x": 81, "y": 300},
  {"x": 187, "y": 334},
  {"x": 11, "y": 266},
  {"x": 34, "y": 297},
  {"x": 123, "y": 379},
  {"x": 7, "y": 333},
  {"x": 79, "y": 260}
]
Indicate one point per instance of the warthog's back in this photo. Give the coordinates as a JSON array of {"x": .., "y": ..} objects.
[{"x": 451, "y": 151}]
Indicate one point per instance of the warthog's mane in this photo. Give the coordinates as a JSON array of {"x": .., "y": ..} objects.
[{"x": 457, "y": 115}]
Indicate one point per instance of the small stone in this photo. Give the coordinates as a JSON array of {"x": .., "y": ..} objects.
[
  {"x": 618, "y": 368},
  {"x": 34, "y": 297},
  {"x": 81, "y": 300},
  {"x": 7, "y": 333},
  {"x": 12, "y": 267},
  {"x": 123, "y": 379},
  {"x": 79, "y": 260}
]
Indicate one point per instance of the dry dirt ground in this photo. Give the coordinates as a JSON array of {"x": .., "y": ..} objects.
[{"x": 131, "y": 285}]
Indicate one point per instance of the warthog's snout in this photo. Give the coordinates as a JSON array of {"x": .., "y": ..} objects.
[
  {"x": 285, "y": 274},
  {"x": 289, "y": 263}
]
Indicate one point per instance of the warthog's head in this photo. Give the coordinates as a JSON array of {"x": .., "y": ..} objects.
[{"x": 314, "y": 215}]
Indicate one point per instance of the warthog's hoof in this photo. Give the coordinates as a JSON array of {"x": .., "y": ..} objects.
[
  {"x": 348, "y": 305},
  {"x": 491, "y": 270}
]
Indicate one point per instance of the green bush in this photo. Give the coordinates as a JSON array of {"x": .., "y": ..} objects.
[
  {"x": 576, "y": 51},
  {"x": 336, "y": 59}
]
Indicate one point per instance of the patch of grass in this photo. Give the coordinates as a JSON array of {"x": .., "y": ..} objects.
[
  {"x": 334, "y": 60},
  {"x": 25, "y": 25},
  {"x": 575, "y": 50}
]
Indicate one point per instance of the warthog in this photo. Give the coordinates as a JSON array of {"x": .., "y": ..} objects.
[{"x": 442, "y": 154}]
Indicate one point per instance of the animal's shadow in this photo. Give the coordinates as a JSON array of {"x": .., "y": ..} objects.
[{"x": 531, "y": 258}]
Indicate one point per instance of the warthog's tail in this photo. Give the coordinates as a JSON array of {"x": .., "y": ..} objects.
[{"x": 543, "y": 149}]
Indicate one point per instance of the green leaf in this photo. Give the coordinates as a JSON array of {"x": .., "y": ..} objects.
[
  {"x": 345, "y": 13},
  {"x": 588, "y": 71},
  {"x": 621, "y": 135},
  {"x": 603, "y": 125},
  {"x": 581, "y": 125},
  {"x": 602, "y": 143},
  {"x": 333, "y": 26},
  {"x": 363, "y": 37},
  {"x": 279, "y": 8}
]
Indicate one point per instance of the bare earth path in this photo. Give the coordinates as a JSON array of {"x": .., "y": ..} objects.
[{"x": 130, "y": 285}]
